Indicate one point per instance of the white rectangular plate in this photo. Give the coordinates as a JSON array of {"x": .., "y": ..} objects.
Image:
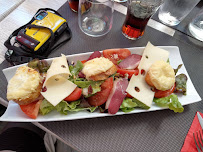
[{"x": 14, "y": 113}]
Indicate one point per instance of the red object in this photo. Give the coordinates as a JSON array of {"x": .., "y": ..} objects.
[
  {"x": 74, "y": 5},
  {"x": 101, "y": 97},
  {"x": 161, "y": 94},
  {"x": 189, "y": 143},
  {"x": 96, "y": 54},
  {"x": 81, "y": 75},
  {"x": 83, "y": 61},
  {"x": 134, "y": 27},
  {"x": 129, "y": 72},
  {"x": 131, "y": 62},
  {"x": 128, "y": 95},
  {"x": 32, "y": 109},
  {"x": 117, "y": 95},
  {"x": 75, "y": 95},
  {"x": 116, "y": 54}
]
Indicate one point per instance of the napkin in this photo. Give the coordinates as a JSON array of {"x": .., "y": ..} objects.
[{"x": 189, "y": 143}]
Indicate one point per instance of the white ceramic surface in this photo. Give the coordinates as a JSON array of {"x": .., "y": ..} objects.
[{"x": 14, "y": 113}]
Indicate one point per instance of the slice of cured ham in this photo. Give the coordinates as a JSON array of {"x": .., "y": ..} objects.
[
  {"x": 117, "y": 95},
  {"x": 96, "y": 54},
  {"x": 131, "y": 62}
]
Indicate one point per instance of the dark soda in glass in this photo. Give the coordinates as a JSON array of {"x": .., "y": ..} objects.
[
  {"x": 138, "y": 15},
  {"x": 74, "y": 5}
]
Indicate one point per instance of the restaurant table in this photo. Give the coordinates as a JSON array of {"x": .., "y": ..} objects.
[{"x": 161, "y": 130}]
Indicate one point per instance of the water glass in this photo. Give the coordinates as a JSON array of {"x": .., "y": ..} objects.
[
  {"x": 138, "y": 15},
  {"x": 95, "y": 18},
  {"x": 172, "y": 12},
  {"x": 196, "y": 26}
]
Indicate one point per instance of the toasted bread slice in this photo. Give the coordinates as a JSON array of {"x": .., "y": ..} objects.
[{"x": 25, "y": 86}]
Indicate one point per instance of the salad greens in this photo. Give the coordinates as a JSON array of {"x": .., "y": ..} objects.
[
  {"x": 74, "y": 70},
  {"x": 130, "y": 104},
  {"x": 63, "y": 107},
  {"x": 171, "y": 102},
  {"x": 181, "y": 84},
  {"x": 176, "y": 70},
  {"x": 40, "y": 65}
]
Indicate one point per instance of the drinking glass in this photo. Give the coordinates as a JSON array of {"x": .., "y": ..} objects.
[
  {"x": 73, "y": 5},
  {"x": 138, "y": 15},
  {"x": 196, "y": 26},
  {"x": 172, "y": 12},
  {"x": 95, "y": 18}
]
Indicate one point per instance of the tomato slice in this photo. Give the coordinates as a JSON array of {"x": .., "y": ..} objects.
[
  {"x": 75, "y": 95},
  {"x": 32, "y": 109},
  {"x": 116, "y": 54},
  {"x": 129, "y": 72},
  {"x": 83, "y": 61},
  {"x": 101, "y": 97},
  {"x": 161, "y": 94}
]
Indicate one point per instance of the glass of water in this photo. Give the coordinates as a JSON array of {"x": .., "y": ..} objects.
[
  {"x": 196, "y": 26},
  {"x": 172, "y": 12},
  {"x": 95, "y": 18}
]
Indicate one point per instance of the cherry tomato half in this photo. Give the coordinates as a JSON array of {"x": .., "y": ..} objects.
[
  {"x": 32, "y": 109},
  {"x": 101, "y": 97},
  {"x": 129, "y": 72},
  {"x": 75, "y": 95},
  {"x": 161, "y": 94},
  {"x": 115, "y": 55}
]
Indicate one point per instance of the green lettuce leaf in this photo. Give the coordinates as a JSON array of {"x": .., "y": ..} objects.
[
  {"x": 176, "y": 70},
  {"x": 45, "y": 107},
  {"x": 181, "y": 84},
  {"x": 77, "y": 68},
  {"x": 162, "y": 102},
  {"x": 140, "y": 104},
  {"x": 40, "y": 65},
  {"x": 119, "y": 61},
  {"x": 63, "y": 107},
  {"x": 82, "y": 83},
  {"x": 171, "y": 102},
  {"x": 175, "y": 105},
  {"x": 129, "y": 104}
]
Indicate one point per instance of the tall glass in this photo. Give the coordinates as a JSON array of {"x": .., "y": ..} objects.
[
  {"x": 196, "y": 26},
  {"x": 138, "y": 15},
  {"x": 172, "y": 12},
  {"x": 73, "y": 5},
  {"x": 95, "y": 17}
]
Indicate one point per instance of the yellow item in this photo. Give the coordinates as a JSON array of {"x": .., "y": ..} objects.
[{"x": 51, "y": 21}]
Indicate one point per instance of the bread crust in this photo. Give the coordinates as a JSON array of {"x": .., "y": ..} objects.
[
  {"x": 25, "y": 86},
  {"x": 31, "y": 98}
]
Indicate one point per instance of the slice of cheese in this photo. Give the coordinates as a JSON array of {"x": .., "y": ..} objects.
[
  {"x": 143, "y": 92},
  {"x": 59, "y": 66},
  {"x": 57, "y": 84},
  {"x": 57, "y": 89},
  {"x": 137, "y": 87},
  {"x": 150, "y": 55}
]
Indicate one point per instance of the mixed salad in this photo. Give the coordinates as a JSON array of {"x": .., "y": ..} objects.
[{"x": 108, "y": 95}]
